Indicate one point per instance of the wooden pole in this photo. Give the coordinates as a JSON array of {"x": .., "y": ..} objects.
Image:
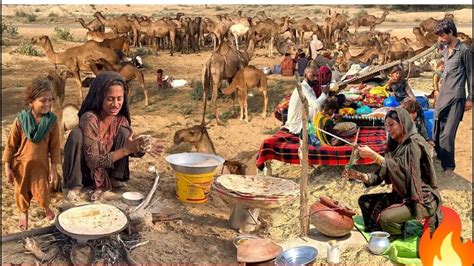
[{"x": 303, "y": 154}]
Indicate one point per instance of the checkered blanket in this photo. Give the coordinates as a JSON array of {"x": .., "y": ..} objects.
[{"x": 283, "y": 146}]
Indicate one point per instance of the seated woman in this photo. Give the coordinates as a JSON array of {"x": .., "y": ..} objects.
[
  {"x": 399, "y": 86},
  {"x": 288, "y": 65},
  {"x": 96, "y": 152},
  {"x": 408, "y": 166}
]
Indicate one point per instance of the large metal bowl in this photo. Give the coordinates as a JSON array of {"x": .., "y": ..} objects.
[
  {"x": 303, "y": 255},
  {"x": 191, "y": 163}
]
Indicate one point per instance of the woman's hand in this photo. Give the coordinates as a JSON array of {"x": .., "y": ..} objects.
[
  {"x": 9, "y": 173},
  {"x": 367, "y": 152},
  {"x": 354, "y": 175},
  {"x": 134, "y": 145}
]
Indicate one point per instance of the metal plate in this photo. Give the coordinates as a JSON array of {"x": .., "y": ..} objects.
[
  {"x": 85, "y": 238},
  {"x": 187, "y": 162}
]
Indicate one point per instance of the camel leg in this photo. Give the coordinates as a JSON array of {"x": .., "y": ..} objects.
[
  {"x": 270, "y": 48},
  {"x": 214, "y": 41},
  {"x": 241, "y": 103},
  {"x": 236, "y": 41},
  {"x": 215, "y": 87},
  {"x": 265, "y": 101},
  {"x": 246, "y": 107},
  {"x": 77, "y": 78}
]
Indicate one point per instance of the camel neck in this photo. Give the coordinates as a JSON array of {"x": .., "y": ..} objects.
[{"x": 205, "y": 144}]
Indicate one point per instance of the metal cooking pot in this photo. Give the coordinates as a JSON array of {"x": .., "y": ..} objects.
[{"x": 188, "y": 162}]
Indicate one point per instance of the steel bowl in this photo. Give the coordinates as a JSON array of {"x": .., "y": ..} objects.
[
  {"x": 303, "y": 255},
  {"x": 191, "y": 163},
  {"x": 133, "y": 198}
]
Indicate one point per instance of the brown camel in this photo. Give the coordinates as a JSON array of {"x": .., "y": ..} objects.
[
  {"x": 218, "y": 30},
  {"x": 93, "y": 25},
  {"x": 243, "y": 163},
  {"x": 120, "y": 24},
  {"x": 223, "y": 64},
  {"x": 366, "y": 38},
  {"x": 425, "y": 40},
  {"x": 247, "y": 78},
  {"x": 307, "y": 25},
  {"x": 74, "y": 58},
  {"x": 397, "y": 50},
  {"x": 368, "y": 21},
  {"x": 158, "y": 29},
  {"x": 100, "y": 36},
  {"x": 464, "y": 38},
  {"x": 366, "y": 56},
  {"x": 58, "y": 81},
  {"x": 268, "y": 29},
  {"x": 336, "y": 22},
  {"x": 120, "y": 43},
  {"x": 429, "y": 24},
  {"x": 127, "y": 71}
]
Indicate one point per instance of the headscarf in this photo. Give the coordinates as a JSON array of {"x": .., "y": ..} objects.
[
  {"x": 97, "y": 91},
  {"x": 402, "y": 168}
]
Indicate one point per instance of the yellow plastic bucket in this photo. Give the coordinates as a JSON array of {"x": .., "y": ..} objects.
[{"x": 193, "y": 188}]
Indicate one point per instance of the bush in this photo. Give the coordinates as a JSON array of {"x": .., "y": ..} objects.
[
  {"x": 219, "y": 8},
  {"x": 31, "y": 17},
  {"x": 142, "y": 52},
  {"x": 37, "y": 10},
  {"x": 425, "y": 8},
  {"x": 63, "y": 33},
  {"x": 196, "y": 93},
  {"x": 53, "y": 15},
  {"x": 361, "y": 13},
  {"x": 317, "y": 11},
  {"x": 27, "y": 48},
  {"x": 9, "y": 30},
  {"x": 20, "y": 14}
]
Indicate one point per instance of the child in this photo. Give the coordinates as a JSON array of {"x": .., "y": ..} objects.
[
  {"x": 416, "y": 114},
  {"x": 324, "y": 119},
  {"x": 34, "y": 136},
  {"x": 399, "y": 85}
]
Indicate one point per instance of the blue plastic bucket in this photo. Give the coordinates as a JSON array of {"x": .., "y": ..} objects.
[{"x": 429, "y": 121}]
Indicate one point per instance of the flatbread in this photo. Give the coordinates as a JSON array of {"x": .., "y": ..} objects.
[
  {"x": 258, "y": 185},
  {"x": 92, "y": 219}
]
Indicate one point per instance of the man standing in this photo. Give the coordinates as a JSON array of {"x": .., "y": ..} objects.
[
  {"x": 294, "y": 124},
  {"x": 452, "y": 101},
  {"x": 315, "y": 46}
]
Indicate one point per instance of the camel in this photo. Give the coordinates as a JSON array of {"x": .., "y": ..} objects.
[
  {"x": 93, "y": 25},
  {"x": 120, "y": 24},
  {"x": 58, "y": 81},
  {"x": 464, "y": 38},
  {"x": 369, "y": 21},
  {"x": 398, "y": 50},
  {"x": 218, "y": 30},
  {"x": 429, "y": 24},
  {"x": 268, "y": 29},
  {"x": 366, "y": 38},
  {"x": 100, "y": 36},
  {"x": 127, "y": 71},
  {"x": 74, "y": 58},
  {"x": 304, "y": 25},
  {"x": 336, "y": 22},
  {"x": 425, "y": 40},
  {"x": 366, "y": 56},
  {"x": 119, "y": 43},
  {"x": 238, "y": 30},
  {"x": 194, "y": 32},
  {"x": 159, "y": 29},
  {"x": 245, "y": 79},
  {"x": 223, "y": 64},
  {"x": 243, "y": 163}
]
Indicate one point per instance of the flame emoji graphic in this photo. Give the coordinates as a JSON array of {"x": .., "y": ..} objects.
[{"x": 446, "y": 247}]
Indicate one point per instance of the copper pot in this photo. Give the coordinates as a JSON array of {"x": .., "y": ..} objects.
[{"x": 330, "y": 218}]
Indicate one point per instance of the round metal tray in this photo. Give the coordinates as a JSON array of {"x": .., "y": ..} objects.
[
  {"x": 183, "y": 162},
  {"x": 85, "y": 238}
]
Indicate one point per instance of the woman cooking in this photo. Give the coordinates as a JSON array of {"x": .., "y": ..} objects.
[
  {"x": 409, "y": 168},
  {"x": 96, "y": 153}
]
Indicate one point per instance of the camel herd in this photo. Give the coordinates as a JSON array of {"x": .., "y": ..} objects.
[{"x": 234, "y": 39}]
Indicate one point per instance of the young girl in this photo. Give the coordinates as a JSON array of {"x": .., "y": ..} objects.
[
  {"x": 398, "y": 85},
  {"x": 33, "y": 140}
]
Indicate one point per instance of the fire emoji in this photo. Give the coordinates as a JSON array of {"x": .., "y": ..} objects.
[{"x": 446, "y": 247}]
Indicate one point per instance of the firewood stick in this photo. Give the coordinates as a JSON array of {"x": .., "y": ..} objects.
[
  {"x": 29, "y": 233},
  {"x": 152, "y": 191},
  {"x": 304, "y": 219}
]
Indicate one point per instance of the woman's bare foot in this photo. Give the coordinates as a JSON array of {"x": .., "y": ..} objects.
[
  {"x": 49, "y": 214},
  {"x": 23, "y": 222},
  {"x": 73, "y": 195},
  {"x": 96, "y": 195}
]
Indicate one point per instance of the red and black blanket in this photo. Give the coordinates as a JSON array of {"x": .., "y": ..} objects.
[{"x": 283, "y": 146}]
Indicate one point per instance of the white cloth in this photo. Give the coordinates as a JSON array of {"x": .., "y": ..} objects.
[
  {"x": 315, "y": 45},
  {"x": 295, "y": 108}
]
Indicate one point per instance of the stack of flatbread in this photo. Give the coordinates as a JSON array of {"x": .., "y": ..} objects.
[{"x": 256, "y": 191}]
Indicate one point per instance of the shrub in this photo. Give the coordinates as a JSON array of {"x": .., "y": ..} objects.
[
  {"x": 361, "y": 13},
  {"x": 142, "y": 51},
  {"x": 219, "y": 8},
  {"x": 9, "y": 30},
  {"x": 20, "y": 14},
  {"x": 37, "y": 10},
  {"x": 31, "y": 17},
  {"x": 63, "y": 33},
  {"x": 53, "y": 15},
  {"x": 27, "y": 48},
  {"x": 196, "y": 93},
  {"x": 271, "y": 131},
  {"x": 317, "y": 11}
]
